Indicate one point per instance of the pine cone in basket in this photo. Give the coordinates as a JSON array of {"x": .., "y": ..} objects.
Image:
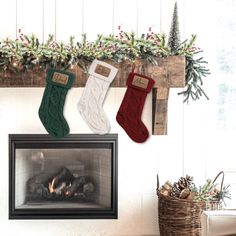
[{"x": 184, "y": 183}]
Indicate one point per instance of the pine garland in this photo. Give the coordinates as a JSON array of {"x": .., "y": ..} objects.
[{"x": 26, "y": 52}]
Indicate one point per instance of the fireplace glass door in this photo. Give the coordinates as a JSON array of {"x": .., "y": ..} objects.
[{"x": 74, "y": 177}]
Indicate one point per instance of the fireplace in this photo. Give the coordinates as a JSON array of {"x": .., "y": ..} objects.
[{"x": 70, "y": 178}]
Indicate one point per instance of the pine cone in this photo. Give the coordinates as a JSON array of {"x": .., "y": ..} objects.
[{"x": 183, "y": 183}]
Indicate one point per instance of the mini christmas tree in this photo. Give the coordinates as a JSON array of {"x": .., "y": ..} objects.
[{"x": 174, "y": 36}]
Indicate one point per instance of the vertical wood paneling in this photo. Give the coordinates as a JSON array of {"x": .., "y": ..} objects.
[
  {"x": 49, "y": 15},
  {"x": 171, "y": 159},
  {"x": 199, "y": 21},
  {"x": 182, "y": 19},
  {"x": 148, "y": 16},
  {"x": 126, "y": 15},
  {"x": 193, "y": 21},
  {"x": 74, "y": 17},
  {"x": 68, "y": 19},
  {"x": 8, "y": 19},
  {"x": 195, "y": 140},
  {"x": 98, "y": 18},
  {"x": 167, "y": 8},
  {"x": 30, "y": 17},
  {"x": 198, "y": 141},
  {"x": 189, "y": 143}
]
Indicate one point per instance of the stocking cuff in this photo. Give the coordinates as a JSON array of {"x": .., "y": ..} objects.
[
  {"x": 140, "y": 82},
  {"x": 60, "y": 78},
  {"x": 103, "y": 70}
]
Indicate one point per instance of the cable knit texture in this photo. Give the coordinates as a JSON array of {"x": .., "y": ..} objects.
[
  {"x": 91, "y": 102},
  {"x": 51, "y": 108},
  {"x": 130, "y": 111}
]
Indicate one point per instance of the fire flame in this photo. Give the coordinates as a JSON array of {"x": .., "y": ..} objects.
[
  {"x": 68, "y": 193},
  {"x": 58, "y": 190},
  {"x": 51, "y": 186}
]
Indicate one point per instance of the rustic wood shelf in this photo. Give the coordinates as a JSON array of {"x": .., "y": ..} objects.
[{"x": 169, "y": 73}]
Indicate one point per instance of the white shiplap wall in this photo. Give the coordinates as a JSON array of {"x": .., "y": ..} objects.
[
  {"x": 171, "y": 156},
  {"x": 74, "y": 17}
]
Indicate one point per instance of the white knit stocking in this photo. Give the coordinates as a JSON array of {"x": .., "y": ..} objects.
[{"x": 90, "y": 105}]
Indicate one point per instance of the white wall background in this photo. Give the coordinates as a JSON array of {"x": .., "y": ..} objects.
[{"x": 184, "y": 150}]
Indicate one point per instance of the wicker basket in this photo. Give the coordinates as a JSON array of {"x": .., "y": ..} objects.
[{"x": 180, "y": 217}]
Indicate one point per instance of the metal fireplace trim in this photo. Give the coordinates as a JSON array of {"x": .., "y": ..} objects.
[{"x": 39, "y": 140}]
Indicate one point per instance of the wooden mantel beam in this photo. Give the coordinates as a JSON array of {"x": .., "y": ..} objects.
[{"x": 168, "y": 73}]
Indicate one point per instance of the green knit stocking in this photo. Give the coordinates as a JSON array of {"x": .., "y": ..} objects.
[{"x": 52, "y": 104}]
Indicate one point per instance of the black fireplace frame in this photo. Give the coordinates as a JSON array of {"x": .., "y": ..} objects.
[{"x": 40, "y": 141}]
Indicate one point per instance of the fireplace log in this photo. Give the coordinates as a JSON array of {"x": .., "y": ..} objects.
[
  {"x": 59, "y": 190},
  {"x": 64, "y": 175},
  {"x": 37, "y": 187},
  {"x": 63, "y": 184},
  {"x": 78, "y": 184},
  {"x": 37, "y": 180}
]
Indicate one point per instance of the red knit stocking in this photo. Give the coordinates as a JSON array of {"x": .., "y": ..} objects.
[{"x": 130, "y": 111}]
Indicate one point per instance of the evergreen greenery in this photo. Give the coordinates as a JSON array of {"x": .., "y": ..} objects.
[
  {"x": 174, "y": 35},
  {"x": 26, "y": 52},
  {"x": 195, "y": 70},
  {"x": 210, "y": 192}
]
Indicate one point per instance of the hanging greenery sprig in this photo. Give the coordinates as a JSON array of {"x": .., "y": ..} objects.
[{"x": 195, "y": 70}]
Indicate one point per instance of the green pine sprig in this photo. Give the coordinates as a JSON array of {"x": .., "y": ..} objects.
[
  {"x": 210, "y": 192},
  {"x": 195, "y": 70}
]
